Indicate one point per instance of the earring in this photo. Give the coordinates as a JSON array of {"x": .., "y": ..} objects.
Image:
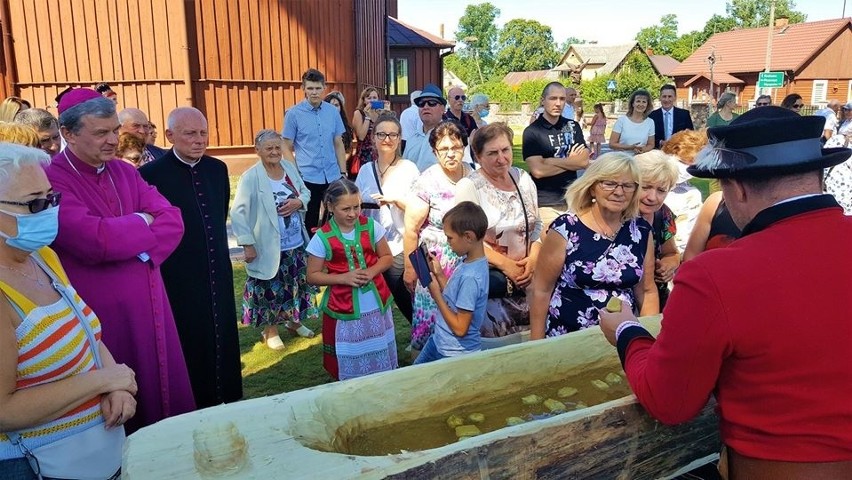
[{"x": 594, "y": 200}]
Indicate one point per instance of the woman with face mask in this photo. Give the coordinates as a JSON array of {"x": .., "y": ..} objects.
[{"x": 63, "y": 399}]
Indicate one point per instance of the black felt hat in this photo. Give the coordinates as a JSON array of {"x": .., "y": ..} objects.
[{"x": 765, "y": 142}]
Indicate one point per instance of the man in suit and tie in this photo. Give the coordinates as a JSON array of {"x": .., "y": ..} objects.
[{"x": 669, "y": 119}]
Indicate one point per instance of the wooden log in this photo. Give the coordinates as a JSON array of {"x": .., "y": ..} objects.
[{"x": 296, "y": 435}]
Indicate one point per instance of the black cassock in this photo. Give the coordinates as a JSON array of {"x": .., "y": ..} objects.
[{"x": 198, "y": 275}]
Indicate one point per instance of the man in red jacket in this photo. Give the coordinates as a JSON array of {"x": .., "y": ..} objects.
[{"x": 763, "y": 324}]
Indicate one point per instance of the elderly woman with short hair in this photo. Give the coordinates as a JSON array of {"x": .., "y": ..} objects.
[
  {"x": 432, "y": 194},
  {"x": 599, "y": 249},
  {"x": 724, "y": 113},
  {"x": 267, "y": 218},
  {"x": 509, "y": 199},
  {"x": 60, "y": 388},
  {"x": 658, "y": 174}
]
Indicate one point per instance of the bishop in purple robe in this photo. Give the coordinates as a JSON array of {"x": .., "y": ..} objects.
[{"x": 115, "y": 231}]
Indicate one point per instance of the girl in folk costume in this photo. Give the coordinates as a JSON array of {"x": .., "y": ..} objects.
[{"x": 348, "y": 255}]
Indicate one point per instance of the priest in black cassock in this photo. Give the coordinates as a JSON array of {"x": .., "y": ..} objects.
[{"x": 198, "y": 275}]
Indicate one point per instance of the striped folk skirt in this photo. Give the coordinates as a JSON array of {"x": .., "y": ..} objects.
[{"x": 354, "y": 348}]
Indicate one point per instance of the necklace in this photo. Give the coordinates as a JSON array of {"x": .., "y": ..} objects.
[
  {"x": 608, "y": 236},
  {"x": 392, "y": 163},
  {"x": 33, "y": 277}
]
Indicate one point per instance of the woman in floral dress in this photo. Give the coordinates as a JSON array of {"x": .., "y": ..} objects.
[
  {"x": 432, "y": 195},
  {"x": 601, "y": 249}
]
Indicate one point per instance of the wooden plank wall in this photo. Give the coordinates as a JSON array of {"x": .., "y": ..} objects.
[
  {"x": 251, "y": 55},
  {"x": 126, "y": 44},
  {"x": 370, "y": 51}
]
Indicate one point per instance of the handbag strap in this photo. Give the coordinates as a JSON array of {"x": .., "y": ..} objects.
[
  {"x": 376, "y": 176},
  {"x": 78, "y": 312},
  {"x": 524, "y": 209}
]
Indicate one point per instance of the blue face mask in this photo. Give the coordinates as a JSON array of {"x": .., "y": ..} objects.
[
  {"x": 484, "y": 113},
  {"x": 35, "y": 230}
]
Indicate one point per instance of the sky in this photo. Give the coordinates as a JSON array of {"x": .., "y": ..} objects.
[{"x": 610, "y": 22}]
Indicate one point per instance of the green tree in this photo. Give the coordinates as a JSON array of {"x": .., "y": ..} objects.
[
  {"x": 464, "y": 67},
  {"x": 477, "y": 33},
  {"x": 659, "y": 38},
  {"x": 525, "y": 45},
  {"x": 755, "y": 13},
  {"x": 686, "y": 44},
  {"x": 717, "y": 24},
  {"x": 563, "y": 47}
]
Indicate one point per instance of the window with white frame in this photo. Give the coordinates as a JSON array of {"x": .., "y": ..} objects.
[
  {"x": 820, "y": 92},
  {"x": 849, "y": 92}
]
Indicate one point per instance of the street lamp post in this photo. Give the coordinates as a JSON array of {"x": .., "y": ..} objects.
[{"x": 471, "y": 42}]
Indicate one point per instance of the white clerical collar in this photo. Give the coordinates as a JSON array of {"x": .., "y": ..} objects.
[{"x": 191, "y": 164}]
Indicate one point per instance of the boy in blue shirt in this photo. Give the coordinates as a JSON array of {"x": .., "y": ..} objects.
[{"x": 461, "y": 300}]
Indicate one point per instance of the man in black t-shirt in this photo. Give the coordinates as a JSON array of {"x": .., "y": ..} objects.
[{"x": 554, "y": 149}]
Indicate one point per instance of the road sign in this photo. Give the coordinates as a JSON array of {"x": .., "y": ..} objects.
[
  {"x": 610, "y": 85},
  {"x": 770, "y": 80}
]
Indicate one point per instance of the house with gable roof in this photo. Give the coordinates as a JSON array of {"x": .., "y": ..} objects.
[{"x": 813, "y": 56}]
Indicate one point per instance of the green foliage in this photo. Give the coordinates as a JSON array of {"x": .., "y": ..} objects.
[
  {"x": 660, "y": 38},
  {"x": 755, "y": 13},
  {"x": 594, "y": 91},
  {"x": 477, "y": 33},
  {"x": 463, "y": 67},
  {"x": 499, "y": 92},
  {"x": 686, "y": 44},
  {"x": 525, "y": 45},
  {"x": 563, "y": 47}
]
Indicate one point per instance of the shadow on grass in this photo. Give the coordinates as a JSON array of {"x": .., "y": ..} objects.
[{"x": 299, "y": 365}]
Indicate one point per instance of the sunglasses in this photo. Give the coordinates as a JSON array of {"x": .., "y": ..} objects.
[
  {"x": 38, "y": 204},
  {"x": 460, "y": 97},
  {"x": 429, "y": 103},
  {"x": 761, "y": 104},
  {"x": 798, "y": 105}
]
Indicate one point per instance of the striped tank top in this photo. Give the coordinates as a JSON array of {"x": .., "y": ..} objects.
[{"x": 52, "y": 345}]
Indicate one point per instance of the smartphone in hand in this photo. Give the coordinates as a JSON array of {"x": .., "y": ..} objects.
[
  {"x": 420, "y": 261},
  {"x": 377, "y": 104}
]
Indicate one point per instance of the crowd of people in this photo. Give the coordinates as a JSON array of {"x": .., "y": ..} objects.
[{"x": 120, "y": 303}]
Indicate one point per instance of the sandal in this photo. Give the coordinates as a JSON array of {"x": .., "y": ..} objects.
[
  {"x": 302, "y": 331},
  {"x": 274, "y": 342}
]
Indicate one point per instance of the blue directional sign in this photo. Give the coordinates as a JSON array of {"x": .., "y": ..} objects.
[{"x": 610, "y": 85}]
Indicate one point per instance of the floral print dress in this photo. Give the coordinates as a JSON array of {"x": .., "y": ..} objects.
[
  {"x": 434, "y": 188},
  {"x": 595, "y": 270}
]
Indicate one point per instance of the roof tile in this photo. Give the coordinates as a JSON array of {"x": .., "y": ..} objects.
[{"x": 744, "y": 51}]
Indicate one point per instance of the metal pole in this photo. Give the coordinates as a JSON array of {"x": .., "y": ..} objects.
[{"x": 771, "y": 31}]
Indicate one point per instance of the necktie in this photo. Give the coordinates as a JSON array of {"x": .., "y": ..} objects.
[{"x": 668, "y": 124}]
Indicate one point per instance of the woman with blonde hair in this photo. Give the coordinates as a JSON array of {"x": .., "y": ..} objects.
[
  {"x": 600, "y": 248},
  {"x": 657, "y": 176},
  {"x": 11, "y": 106},
  {"x": 685, "y": 198},
  {"x": 20, "y": 134}
]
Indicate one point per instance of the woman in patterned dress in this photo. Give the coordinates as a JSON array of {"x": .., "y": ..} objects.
[
  {"x": 433, "y": 193},
  {"x": 506, "y": 194},
  {"x": 599, "y": 249},
  {"x": 658, "y": 173},
  {"x": 267, "y": 218}
]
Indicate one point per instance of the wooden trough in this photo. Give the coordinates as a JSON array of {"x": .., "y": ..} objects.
[{"x": 291, "y": 435}]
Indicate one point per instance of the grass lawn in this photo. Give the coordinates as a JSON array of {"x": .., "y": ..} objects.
[{"x": 299, "y": 365}]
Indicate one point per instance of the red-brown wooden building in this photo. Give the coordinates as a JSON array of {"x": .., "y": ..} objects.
[
  {"x": 814, "y": 57},
  {"x": 239, "y": 62}
]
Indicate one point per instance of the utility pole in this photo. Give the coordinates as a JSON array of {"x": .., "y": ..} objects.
[
  {"x": 471, "y": 41},
  {"x": 711, "y": 60},
  {"x": 771, "y": 31}
]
